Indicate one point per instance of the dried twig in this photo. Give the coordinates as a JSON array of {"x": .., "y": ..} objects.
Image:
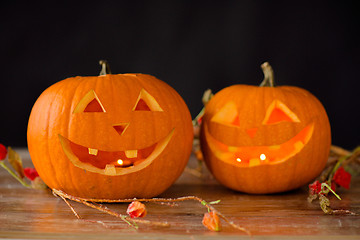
[
  {"x": 339, "y": 151},
  {"x": 99, "y": 207},
  {"x": 88, "y": 202},
  {"x": 195, "y": 172},
  {"x": 344, "y": 212}
]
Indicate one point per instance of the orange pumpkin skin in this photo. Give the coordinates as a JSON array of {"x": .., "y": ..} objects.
[
  {"x": 63, "y": 123},
  {"x": 257, "y": 130}
]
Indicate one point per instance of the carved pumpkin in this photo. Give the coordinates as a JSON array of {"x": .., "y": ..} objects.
[
  {"x": 111, "y": 136},
  {"x": 265, "y": 139}
]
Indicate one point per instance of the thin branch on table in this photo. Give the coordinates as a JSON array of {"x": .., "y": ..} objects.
[
  {"x": 162, "y": 200},
  {"x": 69, "y": 205},
  {"x": 344, "y": 212},
  {"x": 353, "y": 158},
  {"x": 194, "y": 172},
  {"x": 339, "y": 150},
  {"x": 128, "y": 220}
]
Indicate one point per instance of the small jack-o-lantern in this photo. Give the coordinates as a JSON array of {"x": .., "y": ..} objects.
[
  {"x": 111, "y": 136},
  {"x": 265, "y": 139}
]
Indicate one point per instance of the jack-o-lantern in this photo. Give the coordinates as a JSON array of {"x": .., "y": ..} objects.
[
  {"x": 110, "y": 136},
  {"x": 265, "y": 139}
]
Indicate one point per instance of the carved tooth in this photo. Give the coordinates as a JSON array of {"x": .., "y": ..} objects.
[
  {"x": 254, "y": 162},
  {"x": 110, "y": 170},
  {"x": 299, "y": 145},
  {"x": 131, "y": 153},
  {"x": 93, "y": 151},
  {"x": 274, "y": 147},
  {"x": 233, "y": 149}
]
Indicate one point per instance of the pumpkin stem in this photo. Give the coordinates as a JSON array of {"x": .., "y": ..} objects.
[
  {"x": 105, "y": 68},
  {"x": 268, "y": 75}
]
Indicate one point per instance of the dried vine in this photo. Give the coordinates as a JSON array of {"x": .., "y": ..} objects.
[
  {"x": 335, "y": 174},
  {"x": 133, "y": 222}
]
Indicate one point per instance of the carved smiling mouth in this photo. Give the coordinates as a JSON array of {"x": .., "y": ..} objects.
[
  {"x": 250, "y": 156},
  {"x": 112, "y": 163}
]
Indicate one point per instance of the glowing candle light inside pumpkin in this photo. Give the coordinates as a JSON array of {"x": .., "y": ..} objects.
[
  {"x": 238, "y": 160},
  {"x": 120, "y": 162},
  {"x": 262, "y": 157}
]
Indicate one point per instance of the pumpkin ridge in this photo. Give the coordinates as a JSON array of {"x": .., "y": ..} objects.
[
  {"x": 75, "y": 81},
  {"x": 60, "y": 89}
]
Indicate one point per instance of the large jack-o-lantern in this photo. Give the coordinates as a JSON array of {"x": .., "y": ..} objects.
[
  {"x": 265, "y": 139},
  {"x": 111, "y": 136}
]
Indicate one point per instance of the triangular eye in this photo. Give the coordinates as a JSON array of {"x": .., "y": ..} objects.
[
  {"x": 89, "y": 103},
  {"x": 146, "y": 102},
  {"x": 279, "y": 112},
  {"x": 142, "y": 106},
  {"x": 228, "y": 115}
]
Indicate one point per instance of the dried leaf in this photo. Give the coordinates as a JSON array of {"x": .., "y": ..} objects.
[
  {"x": 38, "y": 183},
  {"x": 207, "y": 96},
  {"x": 312, "y": 197},
  {"x": 16, "y": 162},
  {"x": 325, "y": 204}
]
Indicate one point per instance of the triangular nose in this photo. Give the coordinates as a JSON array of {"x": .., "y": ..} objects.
[
  {"x": 251, "y": 132},
  {"x": 121, "y": 127}
]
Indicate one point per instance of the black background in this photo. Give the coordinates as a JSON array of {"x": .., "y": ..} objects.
[{"x": 191, "y": 45}]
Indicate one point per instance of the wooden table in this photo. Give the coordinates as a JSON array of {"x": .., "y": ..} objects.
[{"x": 37, "y": 214}]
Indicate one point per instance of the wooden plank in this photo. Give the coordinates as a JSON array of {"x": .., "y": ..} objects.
[{"x": 37, "y": 214}]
